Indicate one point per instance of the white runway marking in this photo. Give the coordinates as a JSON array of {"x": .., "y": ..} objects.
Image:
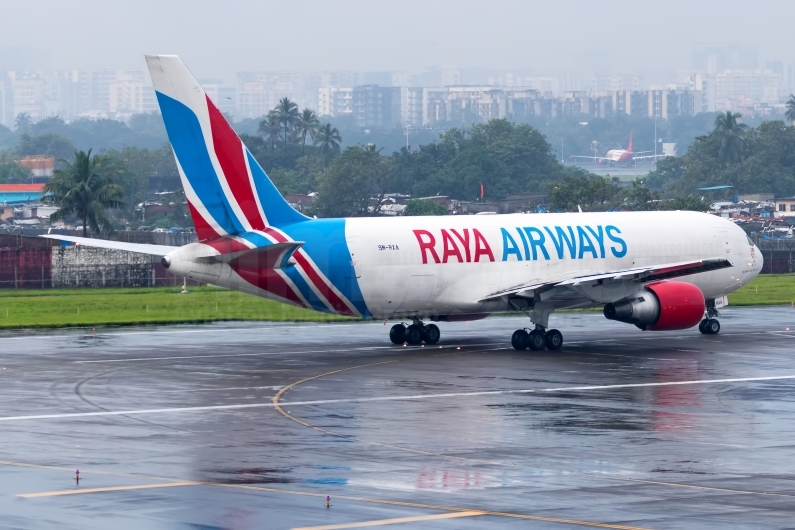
[{"x": 393, "y": 398}]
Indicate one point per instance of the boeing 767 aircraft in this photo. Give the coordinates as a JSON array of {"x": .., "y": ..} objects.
[{"x": 656, "y": 270}]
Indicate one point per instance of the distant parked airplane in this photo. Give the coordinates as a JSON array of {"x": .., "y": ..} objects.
[
  {"x": 620, "y": 156},
  {"x": 655, "y": 270}
]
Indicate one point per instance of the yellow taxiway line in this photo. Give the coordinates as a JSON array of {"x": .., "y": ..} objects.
[
  {"x": 80, "y": 491},
  {"x": 397, "y": 520}
]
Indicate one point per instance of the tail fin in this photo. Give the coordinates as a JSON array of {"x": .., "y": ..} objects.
[
  {"x": 227, "y": 190},
  {"x": 629, "y": 147}
]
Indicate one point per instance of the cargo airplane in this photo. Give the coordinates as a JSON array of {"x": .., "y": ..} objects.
[
  {"x": 620, "y": 156},
  {"x": 655, "y": 270}
]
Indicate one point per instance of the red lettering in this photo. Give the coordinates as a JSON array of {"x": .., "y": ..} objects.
[
  {"x": 427, "y": 245},
  {"x": 450, "y": 248},
  {"x": 464, "y": 241},
  {"x": 482, "y": 247}
]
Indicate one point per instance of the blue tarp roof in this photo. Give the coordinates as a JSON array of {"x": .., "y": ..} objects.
[{"x": 711, "y": 188}]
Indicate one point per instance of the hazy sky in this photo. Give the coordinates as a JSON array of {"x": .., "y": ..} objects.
[{"x": 218, "y": 38}]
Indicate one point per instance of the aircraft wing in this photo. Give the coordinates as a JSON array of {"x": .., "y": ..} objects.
[
  {"x": 640, "y": 275},
  {"x": 153, "y": 250},
  {"x": 646, "y": 157},
  {"x": 584, "y": 157}
]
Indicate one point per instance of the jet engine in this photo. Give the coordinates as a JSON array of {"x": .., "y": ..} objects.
[{"x": 660, "y": 306}]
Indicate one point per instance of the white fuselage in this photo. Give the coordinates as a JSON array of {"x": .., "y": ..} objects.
[
  {"x": 395, "y": 282},
  {"x": 449, "y": 266}
]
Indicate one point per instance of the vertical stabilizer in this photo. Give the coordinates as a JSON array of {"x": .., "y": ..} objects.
[
  {"x": 227, "y": 190},
  {"x": 629, "y": 148}
]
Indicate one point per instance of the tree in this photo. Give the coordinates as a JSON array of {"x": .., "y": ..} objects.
[
  {"x": 270, "y": 129},
  {"x": 731, "y": 134},
  {"x": 790, "y": 113},
  {"x": 306, "y": 124},
  {"x": 11, "y": 172},
  {"x": 415, "y": 207},
  {"x": 591, "y": 193},
  {"x": 354, "y": 184},
  {"x": 287, "y": 114},
  {"x": 22, "y": 122},
  {"x": 45, "y": 144},
  {"x": 328, "y": 140},
  {"x": 150, "y": 123},
  {"x": 84, "y": 188}
]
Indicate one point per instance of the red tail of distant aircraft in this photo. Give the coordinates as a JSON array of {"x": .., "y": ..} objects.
[{"x": 619, "y": 156}]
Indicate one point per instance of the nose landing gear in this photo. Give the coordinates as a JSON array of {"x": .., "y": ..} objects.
[
  {"x": 710, "y": 324},
  {"x": 416, "y": 333}
]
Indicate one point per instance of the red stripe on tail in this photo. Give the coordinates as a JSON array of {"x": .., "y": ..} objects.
[
  {"x": 229, "y": 150},
  {"x": 203, "y": 229}
]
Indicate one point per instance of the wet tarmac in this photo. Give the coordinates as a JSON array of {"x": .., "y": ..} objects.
[{"x": 251, "y": 425}]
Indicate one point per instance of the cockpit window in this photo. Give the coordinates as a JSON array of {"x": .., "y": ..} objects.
[{"x": 751, "y": 243}]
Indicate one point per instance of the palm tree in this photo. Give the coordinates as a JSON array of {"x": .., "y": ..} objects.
[
  {"x": 287, "y": 112},
  {"x": 270, "y": 129},
  {"x": 306, "y": 124},
  {"x": 84, "y": 188},
  {"x": 732, "y": 136},
  {"x": 328, "y": 140},
  {"x": 23, "y": 122},
  {"x": 790, "y": 114}
]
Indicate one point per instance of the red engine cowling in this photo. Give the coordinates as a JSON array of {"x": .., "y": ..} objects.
[{"x": 660, "y": 306}]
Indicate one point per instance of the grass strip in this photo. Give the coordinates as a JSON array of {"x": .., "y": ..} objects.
[
  {"x": 159, "y": 305},
  {"x": 40, "y": 308}
]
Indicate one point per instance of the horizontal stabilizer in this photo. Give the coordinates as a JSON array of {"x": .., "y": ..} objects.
[
  {"x": 141, "y": 248},
  {"x": 276, "y": 256}
]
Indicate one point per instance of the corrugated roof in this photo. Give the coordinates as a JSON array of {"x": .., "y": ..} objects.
[{"x": 21, "y": 188}]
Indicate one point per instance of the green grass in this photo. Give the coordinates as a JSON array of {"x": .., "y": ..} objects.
[
  {"x": 159, "y": 305},
  {"x": 165, "y": 305},
  {"x": 766, "y": 289}
]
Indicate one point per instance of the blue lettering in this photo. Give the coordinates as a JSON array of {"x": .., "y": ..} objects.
[
  {"x": 583, "y": 247},
  {"x": 524, "y": 242},
  {"x": 609, "y": 229},
  {"x": 509, "y": 246},
  {"x": 536, "y": 241},
  {"x": 600, "y": 238},
  {"x": 563, "y": 238}
]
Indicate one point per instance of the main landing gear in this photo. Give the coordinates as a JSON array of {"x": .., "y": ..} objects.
[
  {"x": 537, "y": 339},
  {"x": 541, "y": 336},
  {"x": 416, "y": 333},
  {"x": 710, "y": 324}
]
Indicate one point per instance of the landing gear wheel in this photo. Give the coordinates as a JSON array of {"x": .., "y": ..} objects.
[
  {"x": 536, "y": 340},
  {"x": 397, "y": 334},
  {"x": 431, "y": 334},
  {"x": 702, "y": 326},
  {"x": 554, "y": 339},
  {"x": 712, "y": 326},
  {"x": 414, "y": 334},
  {"x": 519, "y": 339}
]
